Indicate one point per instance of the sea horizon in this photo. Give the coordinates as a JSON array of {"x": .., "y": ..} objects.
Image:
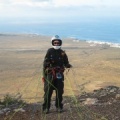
[{"x": 91, "y": 31}]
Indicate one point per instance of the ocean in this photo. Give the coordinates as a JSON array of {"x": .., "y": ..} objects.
[{"x": 101, "y": 31}]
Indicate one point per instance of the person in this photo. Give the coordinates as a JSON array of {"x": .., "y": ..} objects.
[{"x": 54, "y": 64}]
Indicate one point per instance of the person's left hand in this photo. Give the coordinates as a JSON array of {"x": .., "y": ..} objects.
[{"x": 68, "y": 66}]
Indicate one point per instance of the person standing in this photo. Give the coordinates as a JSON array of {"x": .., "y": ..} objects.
[{"x": 54, "y": 64}]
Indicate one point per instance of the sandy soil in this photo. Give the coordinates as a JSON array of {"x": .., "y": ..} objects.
[{"x": 21, "y": 58}]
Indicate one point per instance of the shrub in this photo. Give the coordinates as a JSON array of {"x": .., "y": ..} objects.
[{"x": 9, "y": 100}]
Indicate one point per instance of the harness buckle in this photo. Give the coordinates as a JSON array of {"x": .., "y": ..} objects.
[{"x": 58, "y": 75}]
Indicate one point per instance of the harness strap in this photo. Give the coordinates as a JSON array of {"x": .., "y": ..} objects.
[{"x": 54, "y": 70}]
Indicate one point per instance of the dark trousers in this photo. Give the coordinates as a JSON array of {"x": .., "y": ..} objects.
[{"x": 50, "y": 85}]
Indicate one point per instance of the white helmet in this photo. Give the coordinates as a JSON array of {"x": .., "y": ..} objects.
[{"x": 56, "y": 37}]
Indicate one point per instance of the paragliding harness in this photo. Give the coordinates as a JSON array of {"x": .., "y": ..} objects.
[{"x": 56, "y": 72}]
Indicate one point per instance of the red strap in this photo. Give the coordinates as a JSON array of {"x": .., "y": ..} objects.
[{"x": 54, "y": 70}]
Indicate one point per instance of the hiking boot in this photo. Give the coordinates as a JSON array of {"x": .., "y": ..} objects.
[
  {"x": 46, "y": 111},
  {"x": 59, "y": 110}
]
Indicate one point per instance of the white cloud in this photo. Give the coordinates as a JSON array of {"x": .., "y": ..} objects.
[
  {"x": 32, "y": 3},
  {"x": 58, "y": 8},
  {"x": 59, "y": 3},
  {"x": 76, "y": 2}
]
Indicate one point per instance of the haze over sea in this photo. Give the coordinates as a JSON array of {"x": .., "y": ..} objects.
[{"x": 100, "y": 30}]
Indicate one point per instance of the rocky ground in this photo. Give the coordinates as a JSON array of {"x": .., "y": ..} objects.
[{"x": 102, "y": 104}]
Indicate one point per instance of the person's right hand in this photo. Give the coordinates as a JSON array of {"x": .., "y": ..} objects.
[{"x": 43, "y": 79}]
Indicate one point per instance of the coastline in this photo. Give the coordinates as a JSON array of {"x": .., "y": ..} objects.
[
  {"x": 94, "y": 43},
  {"x": 21, "y": 57},
  {"x": 91, "y": 42}
]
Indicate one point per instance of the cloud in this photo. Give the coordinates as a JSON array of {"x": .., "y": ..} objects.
[
  {"x": 75, "y": 2},
  {"x": 32, "y": 3},
  {"x": 58, "y": 8},
  {"x": 60, "y": 3}
]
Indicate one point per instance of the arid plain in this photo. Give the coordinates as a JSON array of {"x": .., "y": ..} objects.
[{"x": 21, "y": 58}]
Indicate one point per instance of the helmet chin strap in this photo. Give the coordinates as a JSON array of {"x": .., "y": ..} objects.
[{"x": 56, "y": 47}]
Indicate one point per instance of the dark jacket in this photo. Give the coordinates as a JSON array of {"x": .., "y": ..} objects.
[{"x": 55, "y": 58}]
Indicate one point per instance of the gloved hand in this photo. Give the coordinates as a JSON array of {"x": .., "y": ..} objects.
[
  {"x": 68, "y": 66},
  {"x": 43, "y": 79}
]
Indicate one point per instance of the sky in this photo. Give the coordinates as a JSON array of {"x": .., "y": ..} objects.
[{"x": 34, "y": 11}]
